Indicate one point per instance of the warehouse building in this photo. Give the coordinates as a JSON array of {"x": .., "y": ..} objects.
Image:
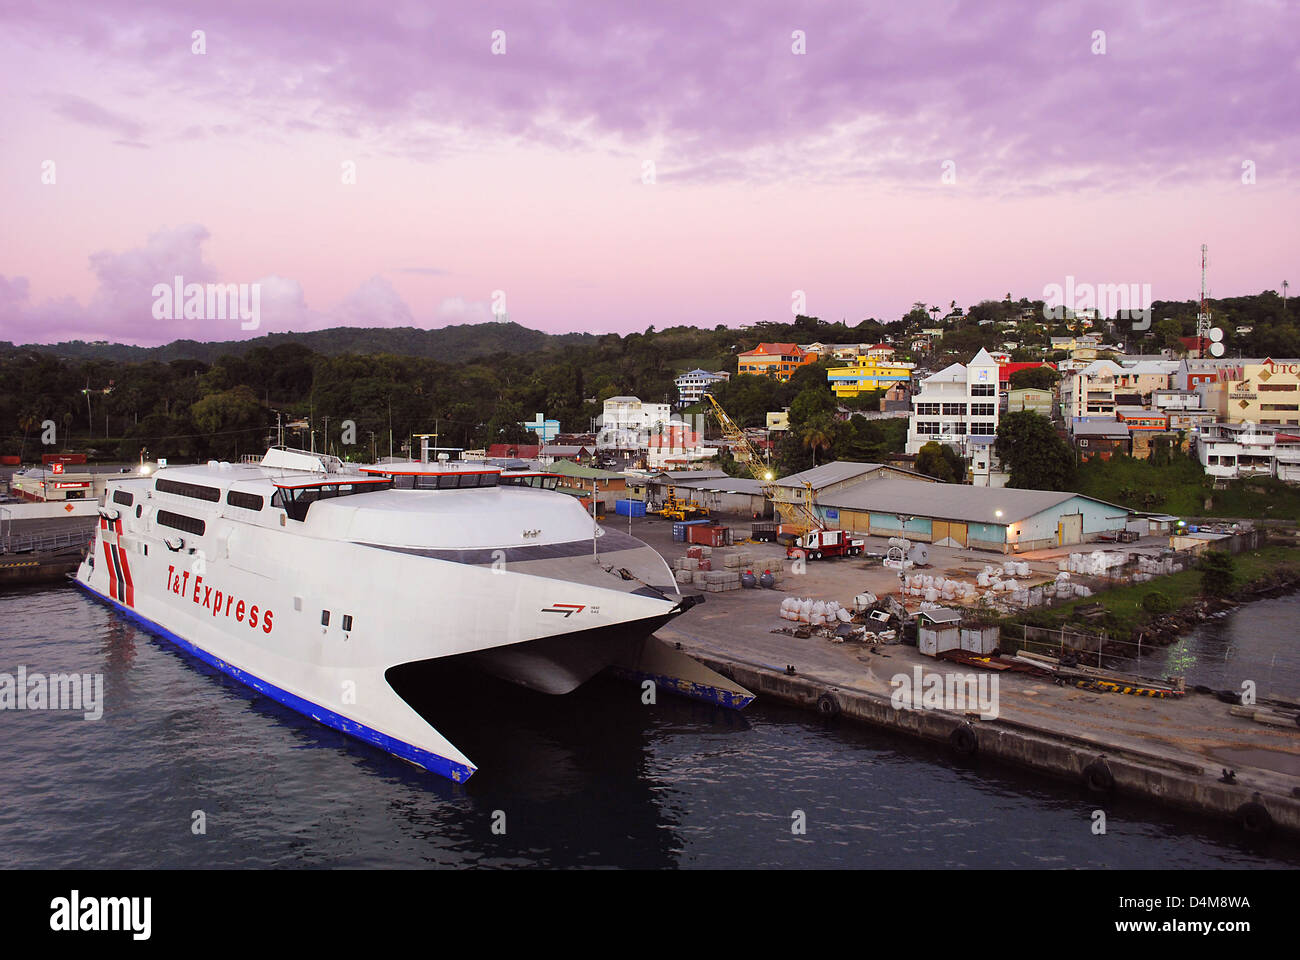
[
  {"x": 831, "y": 478},
  {"x": 958, "y": 515},
  {"x": 739, "y": 496}
]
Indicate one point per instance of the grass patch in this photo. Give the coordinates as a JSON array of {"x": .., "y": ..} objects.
[
  {"x": 1125, "y": 613},
  {"x": 1180, "y": 487}
]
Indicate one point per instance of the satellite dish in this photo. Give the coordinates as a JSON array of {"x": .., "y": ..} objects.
[
  {"x": 919, "y": 554},
  {"x": 1216, "y": 349},
  {"x": 1216, "y": 334}
]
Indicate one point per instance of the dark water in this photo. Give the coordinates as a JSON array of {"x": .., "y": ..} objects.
[
  {"x": 595, "y": 779},
  {"x": 1259, "y": 642}
]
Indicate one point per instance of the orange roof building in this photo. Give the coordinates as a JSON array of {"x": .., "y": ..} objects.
[{"x": 779, "y": 360}]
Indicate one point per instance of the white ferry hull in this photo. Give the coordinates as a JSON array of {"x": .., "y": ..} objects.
[
  {"x": 313, "y": 602},
  {"x": 533, "y": 630}
]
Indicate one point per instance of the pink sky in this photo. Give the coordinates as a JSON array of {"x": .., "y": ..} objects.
[{"x": 523, "y": 172}]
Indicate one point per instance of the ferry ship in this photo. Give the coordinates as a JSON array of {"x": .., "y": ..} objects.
[{"x": 317, "y": 582}]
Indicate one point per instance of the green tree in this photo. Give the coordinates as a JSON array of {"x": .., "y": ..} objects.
[
  {"x": 1218, "y": 573},
  {"x": 1032, "y": 452},
  {"x": 231, "y": 419},
  {"x": 940, "y": 461},
  {"x": 1039, "y": 378}
]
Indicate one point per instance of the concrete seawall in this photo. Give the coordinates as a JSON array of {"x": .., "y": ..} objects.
[{"x": 1134, "y": 773}]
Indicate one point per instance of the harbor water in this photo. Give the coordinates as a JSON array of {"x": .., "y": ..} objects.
[{"x": 187, "y": 768}]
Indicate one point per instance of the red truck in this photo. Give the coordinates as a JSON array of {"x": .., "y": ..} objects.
[{"x": 825, "y": 543}]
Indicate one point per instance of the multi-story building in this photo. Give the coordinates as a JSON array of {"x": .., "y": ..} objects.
[
  {"x": 676, "y": 444},
  {"x": 1265, "y": 392},
  {"x": 1090, "y": 392},
  {"x": 1102, "y": 385},
  {"x": 627, "y": 422},
  {"x": 692, "y": 385},
  {"x": 1229, "y": 451},
  {"x": 955, "y": 404},
  {"x": 779, "y": 360},
  {"x": 867, "y": 374}
]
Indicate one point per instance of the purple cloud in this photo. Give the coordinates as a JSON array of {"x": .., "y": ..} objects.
[{"x": 1013, "y": 93}]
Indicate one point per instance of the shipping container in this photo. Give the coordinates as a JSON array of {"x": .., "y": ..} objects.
[
  {"x": 629, "y": 508},
  {"x": 709, "y": 536}
]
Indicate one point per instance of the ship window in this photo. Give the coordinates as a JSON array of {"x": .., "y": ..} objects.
[
  {"x": 347, "y": 621},
  {"x": 324, "y": 618},
  {"x": 178, "y": 521},
  {"x": 122, "y": 497},
  {"x": 246, "y": 501},
  {"x": 195, "y": 490}
]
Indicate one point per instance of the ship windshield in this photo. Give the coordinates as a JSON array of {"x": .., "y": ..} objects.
[
  {"x": 541, "y": 481},
  {"x": 445, "y": 481},
  {"x": 296, "y": 501}
]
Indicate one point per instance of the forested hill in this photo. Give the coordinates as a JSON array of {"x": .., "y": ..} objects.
[{"x": 450, "y": 344}]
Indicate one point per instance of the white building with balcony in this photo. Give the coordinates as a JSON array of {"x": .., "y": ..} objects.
[
  {"x": 956, "y": 404},
  {"x": 627, "y": 422},
  {"x": 1230, "y": 451},
  {"x": 692, "y": 384}
]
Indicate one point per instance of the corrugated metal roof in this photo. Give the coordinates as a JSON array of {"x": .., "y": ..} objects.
[
  {"x": 1099, "y": 428},
  {"x": 950, "y": 501},
  {"x": 828, "y": 473},
  {"x": 940, "y": 615},
  {"x": 690, "y": 474},
  {"x": 725, "y": 485}
]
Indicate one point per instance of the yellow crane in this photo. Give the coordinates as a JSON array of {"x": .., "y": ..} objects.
[{"x": 746, "y": 454}]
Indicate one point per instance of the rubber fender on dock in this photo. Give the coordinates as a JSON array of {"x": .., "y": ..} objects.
[
  {"x": 1097, "y": 776},
  {"x": 827, "y": 705},
  {"x": 963, "y": 740},
  {"x": 1254, "y": 818},
  {"x": 1229, "y": 696}
]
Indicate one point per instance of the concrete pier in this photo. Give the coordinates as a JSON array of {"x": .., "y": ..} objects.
[
  {"x": 48, "y": 565},
  {"x": 1169, "y": 751}
]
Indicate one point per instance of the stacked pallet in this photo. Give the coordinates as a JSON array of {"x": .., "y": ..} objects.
[{"x": 720, "y": 581}]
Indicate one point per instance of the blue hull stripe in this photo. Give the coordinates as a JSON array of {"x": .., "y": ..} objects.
[
  {"x": 688, "y": 688},
  {"x": 450, "y": 769}
]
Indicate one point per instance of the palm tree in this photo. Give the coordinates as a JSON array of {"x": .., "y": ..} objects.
[
  {"x": 26, "y": 421},
  {"x": 815, "y": 435}
]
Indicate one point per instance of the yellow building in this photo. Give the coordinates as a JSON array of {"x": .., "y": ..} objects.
[
  {"x": 867, "y": 374},
  {"x": 1267, "y": 393}
]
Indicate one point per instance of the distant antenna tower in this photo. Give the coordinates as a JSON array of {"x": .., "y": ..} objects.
[{"x": 1203, "y": 328}]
